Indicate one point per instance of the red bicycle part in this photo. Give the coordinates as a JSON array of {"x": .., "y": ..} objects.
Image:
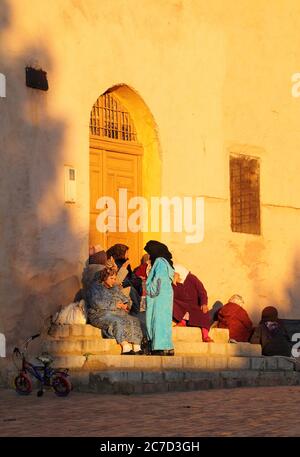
[
  {"x": 61, "y": 385},
  {"x": 23, "y": 384}
]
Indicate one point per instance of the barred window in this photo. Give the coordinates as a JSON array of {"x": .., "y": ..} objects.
[
  {"x": 109, "y": 119},
  {"x": 245, "y": 194}
]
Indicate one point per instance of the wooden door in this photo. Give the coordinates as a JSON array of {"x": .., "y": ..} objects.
[{"x": 110, "y": 171}]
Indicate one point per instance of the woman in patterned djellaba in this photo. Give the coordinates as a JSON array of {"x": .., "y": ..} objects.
[{"x": 108, "y": 310}]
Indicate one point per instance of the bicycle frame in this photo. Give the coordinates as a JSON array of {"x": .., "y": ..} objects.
[
  {"x": 40, "y": 372},
  {"x": 43, "y": 373}
]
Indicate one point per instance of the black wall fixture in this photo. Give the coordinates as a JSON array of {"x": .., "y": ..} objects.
[{"x": 37, "y": 79}]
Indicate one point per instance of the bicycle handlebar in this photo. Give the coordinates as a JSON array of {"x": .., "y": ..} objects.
[
  {"x": 29, "y": 340},
  {"x": 25, "y": 345}
]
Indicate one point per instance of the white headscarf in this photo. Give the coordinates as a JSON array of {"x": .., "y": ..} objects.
[
  {"x": 183, "y": 272},
  {"x": 237, "y": 299}
]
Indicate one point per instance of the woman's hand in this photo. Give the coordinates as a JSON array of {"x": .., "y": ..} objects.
[
  {"x": 204, "y": 309},
  {"x": 176, "y": 278},
  {"x": 123, "y": 306}
]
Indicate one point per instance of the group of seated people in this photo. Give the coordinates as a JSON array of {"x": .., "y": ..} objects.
[{"x": 139, "y": 307}]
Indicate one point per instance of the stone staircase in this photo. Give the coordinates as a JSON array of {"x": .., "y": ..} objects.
[
  {"x": 96, "y": 365},
  {"x": 74, "y": 346}
]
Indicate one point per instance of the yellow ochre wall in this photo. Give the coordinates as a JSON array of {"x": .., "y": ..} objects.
[{"x": 201, "y": 79}]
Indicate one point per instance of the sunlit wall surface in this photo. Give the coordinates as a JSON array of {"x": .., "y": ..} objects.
[{"x": 202, "y": 80}]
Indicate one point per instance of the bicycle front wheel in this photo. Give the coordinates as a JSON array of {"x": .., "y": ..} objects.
[
  {"x": 23, "y": 384},
  {"x": 61, "y": 385}
]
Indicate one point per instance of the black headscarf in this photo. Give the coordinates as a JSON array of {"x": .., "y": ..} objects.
[
  {"x": 269, "y": 313},
  {"x": 269, "y": 318},
  {"x": 156, "y": 249}
]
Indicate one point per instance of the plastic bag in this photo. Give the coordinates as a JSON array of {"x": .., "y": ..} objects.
[{"x": 74, "y": 313}]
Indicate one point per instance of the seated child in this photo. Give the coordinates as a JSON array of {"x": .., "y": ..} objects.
[{"x": 271, "y": 334}]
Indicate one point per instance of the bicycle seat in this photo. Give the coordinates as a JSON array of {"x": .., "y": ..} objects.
[{"x": 44, "y": 358}]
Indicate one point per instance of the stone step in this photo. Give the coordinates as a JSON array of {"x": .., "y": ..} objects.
[
  {"x": 154, "y": 381},
  {"x": 76, "y": 330},
  {"x": 141, "y": 374},
  {"x": 240, "y": 349},
  {"x": 177, "y": 362},
  {"x": 81, "y": 346},
  {"x": 194, "y": 335},
  {"x": 110, "y": 346},
  {"x": 87, "y": 331},
  {"x": 85, "y": 339}
]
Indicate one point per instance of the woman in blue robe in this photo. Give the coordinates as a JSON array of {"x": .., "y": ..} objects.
[{"x": 159, "y": 299}]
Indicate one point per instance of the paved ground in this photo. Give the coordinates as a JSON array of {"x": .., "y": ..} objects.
[{"x": 263, "y": 411}]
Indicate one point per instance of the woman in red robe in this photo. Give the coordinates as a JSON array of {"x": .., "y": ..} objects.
[
  {"x": 190, "y": 302},
  {"x": 234, "y": 317}
]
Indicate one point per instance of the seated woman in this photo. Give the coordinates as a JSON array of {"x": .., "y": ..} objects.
[
  {"x": 190, "y": 301},
  {"x": 119, "y": 253},
  {"x": 108, "y": 310},
  {"x": 271, "y": 334},
  {"x": 234, "y": 317}
]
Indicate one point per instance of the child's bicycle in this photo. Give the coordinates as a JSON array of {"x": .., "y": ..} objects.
[{"x": 48, "y": 377}]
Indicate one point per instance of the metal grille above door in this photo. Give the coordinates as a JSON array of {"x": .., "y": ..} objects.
[
  {"x": 245, "y": 194},
  {"x": 109, "y": 119}
]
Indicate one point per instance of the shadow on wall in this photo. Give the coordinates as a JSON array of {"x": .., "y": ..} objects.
[
  {"x": 292, "y": 291},
  {"x": 35, "y": 276},
  {"x": 289, "y": 308},
  {"x": 213, "y": 312}
]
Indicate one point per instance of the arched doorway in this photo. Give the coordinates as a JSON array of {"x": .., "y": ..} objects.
[{"x": 115, "y": 163}]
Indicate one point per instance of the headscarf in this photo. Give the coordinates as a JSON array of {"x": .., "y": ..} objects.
[
  {"x": 269, "y": 313},
  {"x": 98, "y": 258},
  {"x": 237, "y": 299},
  {"x": 183, "y": 272},
  {"x": 269, "y": 318},
  {"x": 156, "y": 249},
  {"x": 117, "y": 251}
]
